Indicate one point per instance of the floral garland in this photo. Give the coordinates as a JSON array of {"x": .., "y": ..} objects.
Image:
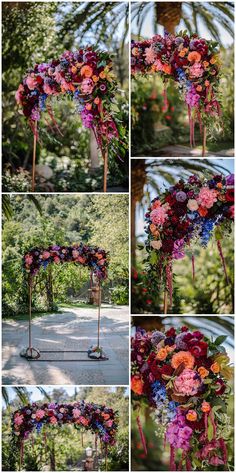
[
  {"x": 183, "y": 376},
  {"x": 184, "y": 214},
  {"x": 92, "y": 256},
  {"x": 192, "y": 62},
  {"x": 85, "y": 75},
  {"x": 101, "y": 420}
]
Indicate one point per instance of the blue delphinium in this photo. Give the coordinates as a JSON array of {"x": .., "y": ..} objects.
[{"x": 158, "y": 393}]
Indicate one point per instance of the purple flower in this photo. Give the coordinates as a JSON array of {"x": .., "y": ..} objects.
[
  {"x": 178, "y": 434},
  {"x": 87, "y": 119},
  {"x": 103, "y": 87},
  {"x": 157, "y": 337},
  {"x": 181, "y": 196},
  {"x": 229, "y": 180},
  {"x": 178, "y": 251},
  {"x": 192, "y": 98}
]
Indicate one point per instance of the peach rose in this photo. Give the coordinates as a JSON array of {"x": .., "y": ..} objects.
[
  {"x": 162, "y": 354},
  {"x": 194, "y": 56},
  {"x": 191, "y": 415},
  {"x": 205, "y": 407},
  {"x": 203, "y": 372},
  {"x": 215, "y": 367},
  {"x": 156, "y": 244}
]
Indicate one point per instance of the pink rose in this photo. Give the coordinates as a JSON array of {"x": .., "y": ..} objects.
[
  {"x": 18, "y": 419},
  {"x": 76, "y": 413},
  {"x": 56, "y": 259},
  {"x": 28, "y": 259},
  {"x": 18, "y": 93},
  {"x": 187, "y": 383},
  {"x": 158, "y": 216},
  {"x": 39, "y": 414},
  {"x": 150, "y": 55},
  {"x": 87, "y": 86},
  {"x": 109, "y": 423},
  {"x": 47, "y": 89},
  {"x": 53, "y": 420},
  {"x": 46, "y": 255},
  {"x": 207, "y": 197},
  {"x": 196, "y": 70},
  {"x": 75, "y": 253},
  {"x": 31, "y": 82}
]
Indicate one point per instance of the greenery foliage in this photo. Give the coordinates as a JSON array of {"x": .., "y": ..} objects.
[{"x": 98, "y": 220}]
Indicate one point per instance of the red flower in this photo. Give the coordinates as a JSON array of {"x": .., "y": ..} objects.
[
  {"x": 184, "y": 328},
  {"x": 199, "y": 349},
  {"x": 221, "y": 385},
  {"x": 229, "y": 195},
  {"x": 171, "y": 332}
]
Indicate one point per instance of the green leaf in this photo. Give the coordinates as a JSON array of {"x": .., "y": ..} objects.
[
  {"x": 219, "y": 340},
  {"x": 210, "y": 430},
  {"x": 153, "y": 257}
]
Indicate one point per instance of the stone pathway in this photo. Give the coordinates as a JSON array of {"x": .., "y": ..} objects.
[
  {"x": 74, "y": 329},
  {"x": 184, "y": 151}
]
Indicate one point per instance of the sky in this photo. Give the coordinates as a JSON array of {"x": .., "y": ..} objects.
[
  {"x": 35, "y": 395},
  {"x": 227, "y": 163},
  {"x": 148, "y": 31}
]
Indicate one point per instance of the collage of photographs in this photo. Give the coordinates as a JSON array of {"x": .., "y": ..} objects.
[{"x": 117, "y": 236}]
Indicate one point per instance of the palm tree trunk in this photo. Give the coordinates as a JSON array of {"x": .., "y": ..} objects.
[{"x": 168, "y": 14}]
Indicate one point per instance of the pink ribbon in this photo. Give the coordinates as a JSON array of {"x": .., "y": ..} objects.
[
  {"x": 222, "y": 260},
  {"x": 142, "y": 437},
  {"x": 172, "y": 459}
]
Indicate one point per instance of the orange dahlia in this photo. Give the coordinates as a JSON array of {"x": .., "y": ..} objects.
[
  {"x": 184, "y": 357},
  {"x": 137, "y": 385}
]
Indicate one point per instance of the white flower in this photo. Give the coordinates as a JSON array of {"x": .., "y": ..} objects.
[{"x": 156, "y": 244}]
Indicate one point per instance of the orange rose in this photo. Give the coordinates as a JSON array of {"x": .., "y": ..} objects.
[
  {"x": 152, "y": 227},
  {"x": 166, "y": 68},
  {"x": 199, "y": 88},
  {"x": 219, "y": 185},
  {"x": 137, "y": 385},
  {"x": 184, "y": 357},
  {"x": 74, "y": 70},
  {"x": 205, "y": 64},
  {"x": 215, "y": 367},
  {"x": 194, "y": 56},
  {"x": 205, "y": 407},
  {"x": 191, "y": 415},
  {"x": 183, "y": 52},
  {"x": 102, "y": 75},
  {"x": 170, "y": 349},
  {"x": 203, "y": 372},
  {"x": 86, "y": 71},
  {"x": 95, "y": 79},
  {"x": 88, "y": 106},
  {"x": 162, "y": 354},
  {"x": 203, "y": 212},
  {"x": 97, "y": 100},
  {"x": 212, "y": 60},
  {"x": 207, "y": 83}
]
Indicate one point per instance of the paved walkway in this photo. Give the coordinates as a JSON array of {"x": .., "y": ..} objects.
[
  {"x": 180, "y": 151},
  {"x": 74, "y": 329}
]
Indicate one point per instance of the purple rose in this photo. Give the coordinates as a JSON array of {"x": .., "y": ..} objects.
[{"x": 181, "y": 196}]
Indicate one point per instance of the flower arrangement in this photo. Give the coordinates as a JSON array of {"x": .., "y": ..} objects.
[
  {"x": 192, "y": 62},
  {"x": 95, "y": 258},
  {"x": 183, "y": 376},
  {"x": 85, "y": 75},
  {"x": 102, "y": 420},
  {"x": 184, "y": 214}
]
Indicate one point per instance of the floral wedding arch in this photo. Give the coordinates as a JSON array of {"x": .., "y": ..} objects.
[
  {"x": 101, "y": 420},
  {"x": 185, "y": 214},
  {"x": 84, "y": 75},
  {"x": 193, "y": 63},
  {"x": 94, "y": 258}
]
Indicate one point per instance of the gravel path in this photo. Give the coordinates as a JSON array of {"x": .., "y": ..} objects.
[{"x": 74, "y": 329}]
